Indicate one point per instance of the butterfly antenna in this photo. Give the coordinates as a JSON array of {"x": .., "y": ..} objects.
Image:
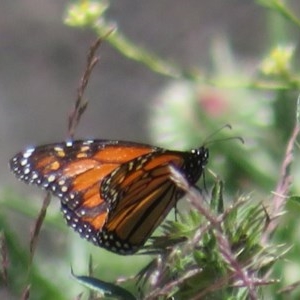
[
  {"x": 216, "y": 132},
  {"x": 225, "y": 139},
  {"x": 209, "y": 141}
]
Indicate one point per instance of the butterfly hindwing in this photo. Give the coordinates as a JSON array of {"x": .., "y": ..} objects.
[{"x": 140, "y": 194}]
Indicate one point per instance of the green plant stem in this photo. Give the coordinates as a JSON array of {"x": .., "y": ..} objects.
[
  {"x": 279, "y": 7},
  {"x": 131, "y": 51}
]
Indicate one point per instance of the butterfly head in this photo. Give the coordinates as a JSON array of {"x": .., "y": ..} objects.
[{"x": 195, "y": 163}]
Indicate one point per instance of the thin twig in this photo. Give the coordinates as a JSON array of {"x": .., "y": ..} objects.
[
  {"x": 4, "y": 258},
  {"x": 81, "y": 103},
  {"x": 38, "y": 225},
  {"x": 289, "y": 288},
  {"x": 283, "y": 185},
  {"x": 170, "y": 285},
  {"x": 26, "y": 293}
]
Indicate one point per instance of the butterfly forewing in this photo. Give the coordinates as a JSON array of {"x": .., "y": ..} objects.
[{"x": 73, "y": 171}]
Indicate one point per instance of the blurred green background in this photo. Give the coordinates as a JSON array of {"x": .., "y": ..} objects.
[{"x": 243, "y": 58}]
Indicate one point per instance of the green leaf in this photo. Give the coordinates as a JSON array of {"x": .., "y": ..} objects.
[
  {"x": 104, "y": 288},
  {"x": 217, "y": 203}
]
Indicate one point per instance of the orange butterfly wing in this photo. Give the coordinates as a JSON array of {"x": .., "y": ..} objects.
[
  {"x": 141, "y": 194},
  {"x": 73, "y": 171}
]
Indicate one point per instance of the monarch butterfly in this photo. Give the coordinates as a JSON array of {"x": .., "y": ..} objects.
[{"x": 113, "y": 193}]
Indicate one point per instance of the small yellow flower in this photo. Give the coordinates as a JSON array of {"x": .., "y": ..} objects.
[
  {"x": 85, "y": 13},
  {"x": 278, "y": 62}
]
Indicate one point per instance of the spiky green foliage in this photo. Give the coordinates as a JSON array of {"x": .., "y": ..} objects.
[{"x": 215, "y": 255}]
